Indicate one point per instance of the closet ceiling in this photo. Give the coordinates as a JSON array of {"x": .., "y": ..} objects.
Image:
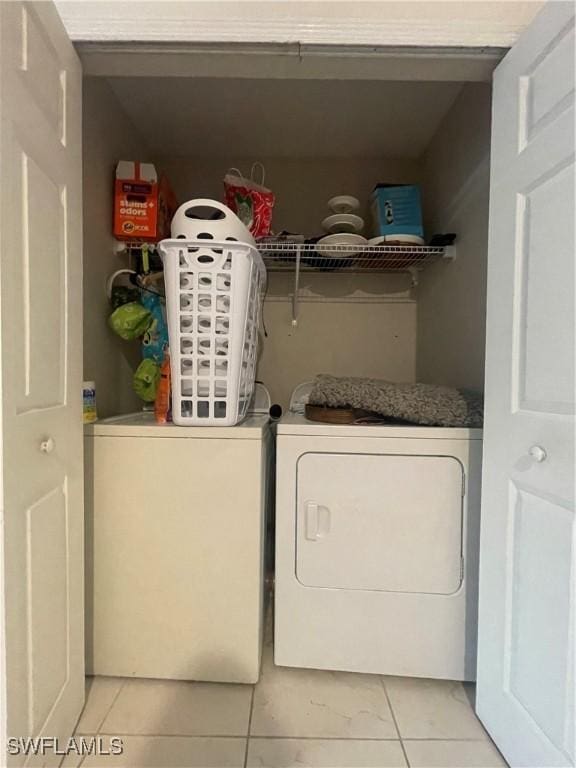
[{"x": 285, "y": 118}]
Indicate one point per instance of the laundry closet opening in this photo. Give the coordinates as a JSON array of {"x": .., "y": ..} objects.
[
  {"x": 317, "y": 136},
  {"x": 198, "y": 498}
]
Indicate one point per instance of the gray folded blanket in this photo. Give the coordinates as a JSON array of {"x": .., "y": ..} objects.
[{"x": 427, "y": 404}]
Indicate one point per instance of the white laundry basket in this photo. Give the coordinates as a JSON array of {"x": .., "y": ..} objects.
[{"x": 213, "y": 300}]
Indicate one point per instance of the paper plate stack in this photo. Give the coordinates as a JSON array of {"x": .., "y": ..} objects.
[{"x": 344, "y": 227}]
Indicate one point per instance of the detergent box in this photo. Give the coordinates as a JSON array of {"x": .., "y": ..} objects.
[
  {"x": 396, "y": 210},
  {"x": 143, "y": 205}
]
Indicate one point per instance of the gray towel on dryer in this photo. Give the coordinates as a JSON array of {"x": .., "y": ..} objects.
[{"x": 426, "y": 404}]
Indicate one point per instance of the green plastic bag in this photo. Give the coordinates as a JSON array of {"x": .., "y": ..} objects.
[
  {"x": 146, "y": 380},
  {"x": 130, "y": 321}
]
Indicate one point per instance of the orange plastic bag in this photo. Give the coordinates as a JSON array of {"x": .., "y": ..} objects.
[{"x": 162, "y": 402}]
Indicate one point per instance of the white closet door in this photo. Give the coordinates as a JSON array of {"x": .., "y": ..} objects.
[
  {"x": 526, "y": 687},
  {"x": 380, "y": 522},
  {"x": 41, "y": 360}
]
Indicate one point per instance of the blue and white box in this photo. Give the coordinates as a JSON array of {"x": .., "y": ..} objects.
[{"x": 397, "y": 210}]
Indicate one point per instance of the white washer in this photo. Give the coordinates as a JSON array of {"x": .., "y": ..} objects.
[
  {"x": 377, "y": 531},
  {"x": 175, "y": 540}
]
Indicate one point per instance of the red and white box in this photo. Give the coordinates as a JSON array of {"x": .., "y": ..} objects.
[{"x": 143, "y": 205}]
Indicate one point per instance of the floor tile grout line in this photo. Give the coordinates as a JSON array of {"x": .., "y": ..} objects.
[
  {"x": 114, "y": 700},
  {"x": 234, "y": 736},
  {"x": 258, "y": 738},
  {"x": 383, "y": 684},
  {"x": 249, "y": 725},
  {"x": 325, "y": 738},
  {"x": 282, "y": 738},
  {"x": 445, "y": 738}
]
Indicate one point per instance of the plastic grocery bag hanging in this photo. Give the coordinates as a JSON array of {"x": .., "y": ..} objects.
[{"x": 250, "y": 200}]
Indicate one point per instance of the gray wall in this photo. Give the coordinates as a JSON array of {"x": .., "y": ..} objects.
[
  {"x": 302, "y": 185},
  {"x": 452, "y": 296},
  {"x": 108, "y": 136}
]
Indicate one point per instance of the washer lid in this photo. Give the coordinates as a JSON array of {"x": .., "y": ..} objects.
[
  {"x": 298, "y": 424},
  {"x": 142, "y": 424}
]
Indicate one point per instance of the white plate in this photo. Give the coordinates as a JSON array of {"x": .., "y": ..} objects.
[
  {"x": 344, "y": 204},
  {"x": 343, "y": 222},
  {"x": 402, "y": 239},
  {"x": 341, "y": 238}
]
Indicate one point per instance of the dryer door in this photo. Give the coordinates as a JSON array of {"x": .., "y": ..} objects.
[{"x": 380, "y": 522}]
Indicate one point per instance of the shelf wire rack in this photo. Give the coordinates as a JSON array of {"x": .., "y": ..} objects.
[
  {"x": 283, "y": 257},
  {"x": 295, "y": 258},
  {"x": 353, "y": 259}
]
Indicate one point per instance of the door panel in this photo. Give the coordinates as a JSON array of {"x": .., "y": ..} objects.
[
  {"x": 41, "y": 357},
  {"x": 526, "y": 690},
  {"x": 40, "y": 69},
  {"x": 540, "y": 532},
  {"x": 546, "y": 365},
  {"x": 40, "y": 209},
  {"x": 544, "y": 95},
  {"x": 48, "y": 630},
  {"x": 366, "y": 522}
]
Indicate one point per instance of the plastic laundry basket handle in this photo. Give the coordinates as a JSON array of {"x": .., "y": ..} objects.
[{"x": 207, "y": 210}]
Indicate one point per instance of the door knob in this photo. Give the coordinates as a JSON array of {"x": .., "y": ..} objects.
[
  {"x": 47, "y": 445},
  {"x": 538, "y": 453}
]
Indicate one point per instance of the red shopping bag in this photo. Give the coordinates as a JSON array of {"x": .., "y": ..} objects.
[{"x": 252, "y": 202}]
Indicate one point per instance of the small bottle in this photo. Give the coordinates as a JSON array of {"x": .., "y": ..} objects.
[{"x": 89, "y": 402}]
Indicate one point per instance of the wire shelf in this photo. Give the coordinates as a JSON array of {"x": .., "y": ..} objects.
[{"x": 284, "y": 257}]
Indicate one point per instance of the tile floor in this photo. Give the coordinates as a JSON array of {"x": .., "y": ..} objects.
[{"x": 292, "y": 717}]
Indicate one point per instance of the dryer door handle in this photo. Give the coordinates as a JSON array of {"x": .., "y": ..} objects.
[{"x": 317, "y": 521}]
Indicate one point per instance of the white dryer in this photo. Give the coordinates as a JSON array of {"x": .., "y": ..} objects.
[{"x": 377, "y": 531}]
